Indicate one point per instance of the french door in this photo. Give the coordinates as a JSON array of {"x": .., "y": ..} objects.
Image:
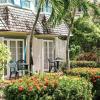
[
  {"x": 16, "y": 47},
  {"x": 48, "y": 53}
]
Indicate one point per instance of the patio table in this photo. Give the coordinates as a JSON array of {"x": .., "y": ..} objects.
[
  {"x": 23, "y": 67},
  {"x": 58, "y": 60}
]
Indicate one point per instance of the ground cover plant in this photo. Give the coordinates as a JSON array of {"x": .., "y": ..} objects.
[{"x": 49, "y": 87}]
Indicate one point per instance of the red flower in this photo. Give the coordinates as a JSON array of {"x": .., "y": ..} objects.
[
  {"x": 46, "y": 83},
  {"x": 20, "y": 88},
  {"x": 38, "y": 87},
  {"x": 30, "y": 88},
  {"x": 97, "y": 76},
  {"x": 20, "y": 80},
  {"x": 45, "y": 87}
]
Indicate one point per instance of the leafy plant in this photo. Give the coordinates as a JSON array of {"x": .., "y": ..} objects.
[
  {"x": 74, "y": 51},
  {"x": 73, "y": 88},
  {"x": 4, "y": 57},
  {"x": 49, "y": 87}
]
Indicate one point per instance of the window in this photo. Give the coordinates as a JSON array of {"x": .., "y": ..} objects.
[
  {"x": 3, "y": 1},
  {"x": 47, "y": 5},
  {"x": 25, "y": 4},
  {"x": 16, "y": 48},
  {"x": 17, "y": 2},
  {"x": 11, "y": 1},
  {"x": 45, "y": 8},
  {"x": 36, "y": 3}
]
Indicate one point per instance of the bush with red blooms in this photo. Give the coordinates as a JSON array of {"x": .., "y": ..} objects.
[
  {"x": 32, "y": 88},
  {"x": 91, "y": 74},
  {"x": 96, "y": 86},
  {"x": 88, "y": 56},
  {"x": 52, "y": 86}
]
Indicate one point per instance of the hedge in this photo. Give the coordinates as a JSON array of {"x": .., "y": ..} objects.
[{"x": 75, "y": 64}]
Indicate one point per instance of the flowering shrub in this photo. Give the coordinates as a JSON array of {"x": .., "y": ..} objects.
[
  {"x": 92, "y": 74},
  {"x": 88, "y": 56},
  {"x": 49, "y": 87},
  {"x": 88, "y": 73},
  {"x": 96, "y": 86},
  {"x": 73, "y": 88}
]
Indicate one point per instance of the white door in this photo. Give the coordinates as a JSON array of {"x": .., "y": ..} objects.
[
  {"x": 48, "y": 53},
  {"x": 16, "y": 47}
]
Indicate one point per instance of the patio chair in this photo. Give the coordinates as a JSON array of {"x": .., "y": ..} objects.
[
  {"x": 52, "y": 64},
  {"x": 22, "y": 66},
  {"x": 19, "y": 64},
  {"x": 13, "y": 69}
]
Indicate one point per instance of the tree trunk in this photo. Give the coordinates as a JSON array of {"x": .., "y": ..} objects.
[
  {"x": 71, "y": 26},
  {"x": 67, "y": 52},
  {"x": 31, "y": 62}
]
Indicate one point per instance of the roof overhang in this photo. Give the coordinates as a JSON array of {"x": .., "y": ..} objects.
[{"x": 11, "y": 33}]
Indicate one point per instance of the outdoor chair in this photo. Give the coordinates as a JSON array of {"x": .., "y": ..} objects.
[
  {"x": 22, "y": 66},
  {"x": 13, "y": 69},
  {"x": 52, "y": 65}
]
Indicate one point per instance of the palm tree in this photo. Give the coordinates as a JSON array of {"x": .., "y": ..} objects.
[
  {"x": 66, "y": 12},
  {"x": 41, "y": 4},
  {"x": 62, "y": 11}
]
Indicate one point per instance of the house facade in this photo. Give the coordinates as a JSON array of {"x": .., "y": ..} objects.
[{"x": 16, "y": 20}]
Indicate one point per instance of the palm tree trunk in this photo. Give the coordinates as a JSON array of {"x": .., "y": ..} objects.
[
  {"x": 67, "y": 52},
  {"x": 31, "y": 62},
  {"x": 68, "y": 39}
]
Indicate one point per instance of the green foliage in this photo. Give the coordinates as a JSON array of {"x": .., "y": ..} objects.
[
  {"x": 52, "y": 87},
  {"x": 74, "y": 50},
  {"x": 4, "y": 53},
  {"x": 73, "y": 88},
  {"x": 86, "y": 34},
  {"x": 4, "y": 57},
  {"x": 91, "y": 74},
  {"x": 75, "y": 64}
]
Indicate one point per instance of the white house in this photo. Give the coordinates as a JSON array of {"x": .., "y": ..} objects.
[{"x": 16, "y": 19}]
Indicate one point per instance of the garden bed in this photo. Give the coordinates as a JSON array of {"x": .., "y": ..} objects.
[{"x": 49, "y": 87}]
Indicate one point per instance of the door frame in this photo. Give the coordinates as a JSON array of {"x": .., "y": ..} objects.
[
  {"x": 48, "y": 41},
  {"x": 16, "y": 40},
  {"x": 8, "y": 44}
]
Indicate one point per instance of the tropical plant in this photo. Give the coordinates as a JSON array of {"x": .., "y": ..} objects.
[
  {"x": 66, "y": 12},
  {"x": 86, "y": 34},
  {"x": 4, "y": 57},
  {"x": 62, "y": 11}
]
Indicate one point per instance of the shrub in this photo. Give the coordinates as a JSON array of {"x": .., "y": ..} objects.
[
  {"x": 88, "y": 56},
  {"x": 96, "y": 86},
  {"x": 74, "y": 51},
  {"x": 49, "y": 87},
  {"x": 92, "y": 74},
  {"x": 73, "y": 88},
  {"x": 75, "y": 64},
  {"x": 88, "y": 73},
  {"x": 83, "y": 64},
  {"x": 4, "y": 57}
]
